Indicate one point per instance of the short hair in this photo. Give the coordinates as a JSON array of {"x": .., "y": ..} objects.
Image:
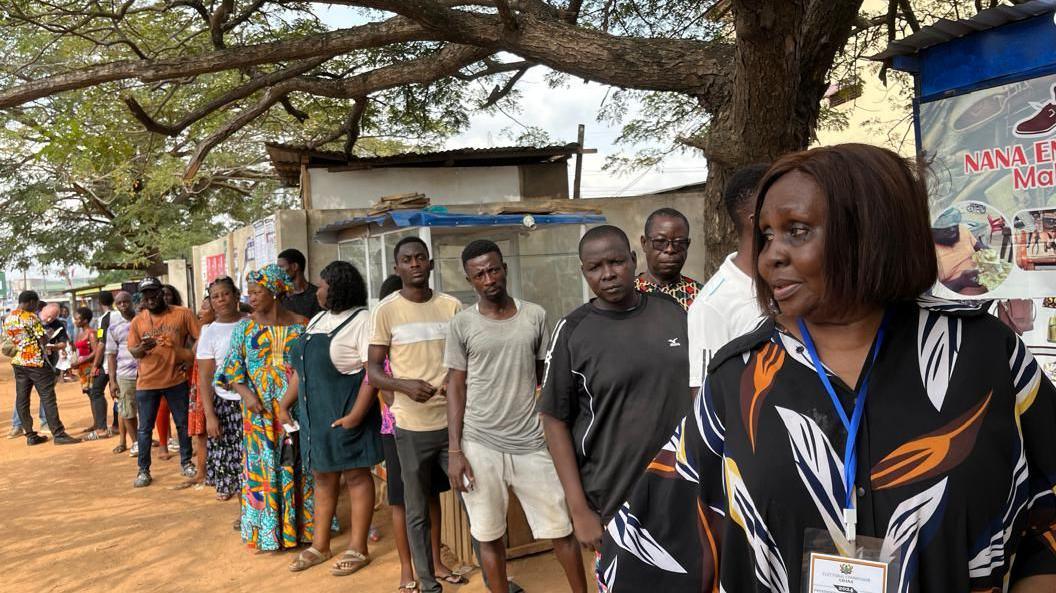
[
  {"x": 665, "y": 213},
  {"x": 84, "y": 313},
  {"x": 294, "y": 256},
  {"x": 407, "y": 241},
  {"x": 27, "y": 296},
  {"x": 106, "y": 298},
  {"x": 177, "y": 299},
  {"x": 739, "y": 190},
  {"x": 602, "y": 231},
  {"x": 347, "y": 289},
  {"x": 390, "y": 285},
  {"x": 478, "y": 248},
  {"x": 869, "y": 192}
]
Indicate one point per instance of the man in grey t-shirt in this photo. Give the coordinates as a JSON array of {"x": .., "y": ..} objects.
[{"x": 494, "y": 353}]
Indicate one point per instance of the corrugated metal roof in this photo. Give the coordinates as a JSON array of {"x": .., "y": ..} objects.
[
  {"x": 945, "y": 30},
  {"x": 287, "y": 158},
  {"x": 418, "y": 218}
]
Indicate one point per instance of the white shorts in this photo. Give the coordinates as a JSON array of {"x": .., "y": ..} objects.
[{"x": 534, "y": 481}]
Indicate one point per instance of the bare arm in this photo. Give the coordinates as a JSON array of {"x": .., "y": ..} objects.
[
  {"x": 364, "y": 402},
  {"x": 111, "y": 369},
  {"x": 585, "y": 520},
  {"x": 1036, "y": 584},
  {"x": 458, "y": 468},
  {"x": 290, "y": 398}
]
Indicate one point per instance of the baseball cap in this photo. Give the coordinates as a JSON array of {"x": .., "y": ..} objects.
[{"x": 149, "y": 283}]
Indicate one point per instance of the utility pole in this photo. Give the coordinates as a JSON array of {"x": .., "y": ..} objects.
[{"x": 577, "y": 179}]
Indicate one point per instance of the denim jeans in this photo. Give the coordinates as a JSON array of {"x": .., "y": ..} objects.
[
  {"x": 17, "y": 423},
  {"x": 148, "y": 400}
]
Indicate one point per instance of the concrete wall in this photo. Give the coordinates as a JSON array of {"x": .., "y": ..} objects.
[
  {"x": 443, "y": 185},
  {"x": 297, "y": 228},
  {"x": 630, "y": 213}
]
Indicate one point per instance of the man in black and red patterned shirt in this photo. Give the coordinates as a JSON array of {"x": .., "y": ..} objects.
[{"x": 666, "y": 245}]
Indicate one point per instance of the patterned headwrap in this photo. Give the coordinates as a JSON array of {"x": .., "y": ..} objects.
[{"x": 272, "y": 278}]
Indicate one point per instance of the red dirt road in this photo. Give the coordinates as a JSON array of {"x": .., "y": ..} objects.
[{"x": 73, "y": 523}]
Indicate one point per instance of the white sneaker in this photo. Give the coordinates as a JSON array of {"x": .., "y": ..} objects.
[{"x": 134, "y": 451}]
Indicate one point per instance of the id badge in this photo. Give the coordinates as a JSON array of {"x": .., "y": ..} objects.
[{"x": 831, "y": 566}]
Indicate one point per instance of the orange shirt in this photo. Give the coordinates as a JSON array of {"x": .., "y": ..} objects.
[{"x": 160, "y": 369}]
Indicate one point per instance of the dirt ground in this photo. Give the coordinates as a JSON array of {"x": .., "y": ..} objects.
[{"x": 73, "y": 522}]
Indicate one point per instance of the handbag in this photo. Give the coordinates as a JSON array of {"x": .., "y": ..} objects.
[{"x": 1018, "y": 314}]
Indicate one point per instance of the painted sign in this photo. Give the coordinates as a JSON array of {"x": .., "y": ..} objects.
[{"x": 993, "y": 189}]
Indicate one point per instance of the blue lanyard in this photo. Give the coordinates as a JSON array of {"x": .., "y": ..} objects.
[{"x": 852, "y": 424}]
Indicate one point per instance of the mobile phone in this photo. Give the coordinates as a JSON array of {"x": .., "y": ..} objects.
[
  {"x": 292, "y": 427},
  {"x": 466, "y": 482}
]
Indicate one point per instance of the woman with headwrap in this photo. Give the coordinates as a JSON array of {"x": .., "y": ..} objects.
[{"x": 277, "y": 500}]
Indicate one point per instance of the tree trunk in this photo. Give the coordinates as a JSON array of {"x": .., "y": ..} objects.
[{"x": 784, "y": 51}]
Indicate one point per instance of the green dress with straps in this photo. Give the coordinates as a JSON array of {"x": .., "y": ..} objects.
[{"x": 325, "y": 395}]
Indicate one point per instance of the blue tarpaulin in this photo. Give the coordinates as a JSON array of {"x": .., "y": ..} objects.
[{"x": 419, "y": 218}]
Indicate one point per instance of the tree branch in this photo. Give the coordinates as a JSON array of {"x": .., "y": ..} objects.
[
  {"x": 227, "y": 98},
  {"x": 509, "y": 20},
  {"x": 498, "y": 93},
  {"x": 292, "y": 109},
  {"x": 206, "y": 146},
  {"x": 589, "y": 54},
  {"x": 394, "y": 30},
  {"x": 354, "y": 120}
]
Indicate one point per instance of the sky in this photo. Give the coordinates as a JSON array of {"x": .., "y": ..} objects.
[{"x": 558, "y": 112}]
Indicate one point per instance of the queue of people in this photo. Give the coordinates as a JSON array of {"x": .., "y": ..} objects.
[{"x": 809, "y": 403}]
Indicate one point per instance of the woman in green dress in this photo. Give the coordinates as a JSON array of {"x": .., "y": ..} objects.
[
  {"x": 340, "y": 421},
  {"x": 277, "y": 499}
]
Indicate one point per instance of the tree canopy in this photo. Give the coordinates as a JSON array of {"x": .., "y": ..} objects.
[{"x": 135, "y": 127}]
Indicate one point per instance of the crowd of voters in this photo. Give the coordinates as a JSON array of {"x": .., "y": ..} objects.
[{"x": 810, "y": 396}]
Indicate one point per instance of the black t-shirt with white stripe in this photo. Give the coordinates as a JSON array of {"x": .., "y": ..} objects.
[{"x": 618, "y": 379}]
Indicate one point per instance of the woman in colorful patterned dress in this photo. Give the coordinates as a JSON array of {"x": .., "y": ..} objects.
[{"x": 277, "y": 502}]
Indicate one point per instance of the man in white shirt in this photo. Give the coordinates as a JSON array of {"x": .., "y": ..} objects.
[{"x": 726, "y": 307}]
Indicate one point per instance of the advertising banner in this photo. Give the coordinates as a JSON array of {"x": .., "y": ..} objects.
[
  {"x": 993, "y": 190},
  {"x": 215, "y": 265}
]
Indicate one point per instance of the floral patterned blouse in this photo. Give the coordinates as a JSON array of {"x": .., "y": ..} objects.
[{"x": 25, "y": 330}]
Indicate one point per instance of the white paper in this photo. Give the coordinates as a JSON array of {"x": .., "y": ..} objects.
[{"x": 838, "y": 574}]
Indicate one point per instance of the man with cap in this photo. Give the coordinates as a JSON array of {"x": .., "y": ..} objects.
[
  {"x": 954, "y": 246},
  {"x": 161, "y": 337}
]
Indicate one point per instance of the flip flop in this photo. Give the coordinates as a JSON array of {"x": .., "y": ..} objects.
[
  {"x": 453, "y": 578},
  {"x": 411, "y": 586},
  {"x": 349, "y": 563},
  {"x": 119, "y": 449},
  {"x": 307, "y": 559}
]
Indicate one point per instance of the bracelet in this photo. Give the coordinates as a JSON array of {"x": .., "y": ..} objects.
[{"x": 449, "y": 451}]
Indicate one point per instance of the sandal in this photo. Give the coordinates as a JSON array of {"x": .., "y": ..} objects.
[
  {"x": 91, "y": 436},
  {"x": 119, "y": 449},
  {"x": 224, "y": 497},
  {"x": 307, "y": 559},
  {"x": 350, "y": 562},
  {"x": 411, "y": 586},
  {"x": 453, "y": 578}
]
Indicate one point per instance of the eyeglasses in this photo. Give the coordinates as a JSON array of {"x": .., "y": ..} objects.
[{"x": 661, "y": 244}]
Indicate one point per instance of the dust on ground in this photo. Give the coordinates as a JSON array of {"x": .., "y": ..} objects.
[{"x": 73, "y": 522}]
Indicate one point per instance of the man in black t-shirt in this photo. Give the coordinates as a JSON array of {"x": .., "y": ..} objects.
[
  {"x": 614, "y": 384},
  {"x": 302, "y": 299}
]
